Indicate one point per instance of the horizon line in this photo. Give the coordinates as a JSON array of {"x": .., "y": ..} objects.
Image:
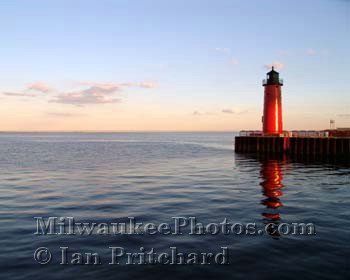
[{"x": 109, "y": 131}]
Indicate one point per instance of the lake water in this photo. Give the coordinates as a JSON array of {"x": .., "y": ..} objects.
[{"x": 108, "y": 177}]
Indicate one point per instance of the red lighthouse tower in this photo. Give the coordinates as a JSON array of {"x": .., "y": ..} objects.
[{"x": 272, "y": 118}]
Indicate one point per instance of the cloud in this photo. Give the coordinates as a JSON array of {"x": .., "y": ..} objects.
[
  {"x": 89, "y": 92},
  {"x": 100, "y": 85},
  {"x": 310, "y": 51},
  {"x": 283, "y": 52},
  {"x": 276, "y": 64},
  {"x": 147, "y": 85},
  {"x": 198, "y": 113},
  {"x": 40, "y": 87},
  {"x": 21, "y": 94},
  {"x": 228, "y": 111},
  {"x": 236, "y": 111},
  {"x": 34, "y": 89},
  {"x": 128, "y": 84},
  {"x": 97, "y": 94},
  {"x": 211, "y": 114},
  {"x": 226, "y": 51},
  {"x": 234, "y": 61},
  {"x": 223, "y": 50},
  {"x": 65, "y": 115}
]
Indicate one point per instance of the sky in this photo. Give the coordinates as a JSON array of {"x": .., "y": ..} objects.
[{"x": 184, "y": 65}]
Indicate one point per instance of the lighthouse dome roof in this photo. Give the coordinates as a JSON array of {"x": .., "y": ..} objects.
[
  {"x": 273, "y": 71},
  {"x": 272, "y": 78}
]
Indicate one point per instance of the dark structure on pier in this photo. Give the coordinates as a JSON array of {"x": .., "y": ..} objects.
[
  {"x": 332, "y": 143},
  {"x": 299, "y": 146}
]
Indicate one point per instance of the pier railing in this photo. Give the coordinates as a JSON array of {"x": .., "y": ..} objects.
[{"x": 293, "y": 133}]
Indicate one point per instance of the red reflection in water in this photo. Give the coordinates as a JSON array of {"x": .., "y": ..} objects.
[{"x": 271, "y": 174}]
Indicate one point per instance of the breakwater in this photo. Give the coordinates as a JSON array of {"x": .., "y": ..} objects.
[{"x": 315, "y": 146}]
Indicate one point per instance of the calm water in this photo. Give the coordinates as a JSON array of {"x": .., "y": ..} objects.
[{"x": 108, "y": 177}]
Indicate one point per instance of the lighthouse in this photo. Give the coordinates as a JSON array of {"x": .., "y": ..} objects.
[
  {"x": 331, "y": 143},
  {"x": 272, "y": 118}
]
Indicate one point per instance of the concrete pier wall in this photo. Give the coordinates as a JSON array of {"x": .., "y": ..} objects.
[{"x": 318, "y": 146}]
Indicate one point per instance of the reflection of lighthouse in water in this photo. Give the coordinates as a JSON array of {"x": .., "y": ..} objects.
[{"x": 271, "y": 175}]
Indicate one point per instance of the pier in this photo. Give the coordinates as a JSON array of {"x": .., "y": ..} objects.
[
  {"x": 331, "y": 143},
  {"x": 299, "y": 146}
]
